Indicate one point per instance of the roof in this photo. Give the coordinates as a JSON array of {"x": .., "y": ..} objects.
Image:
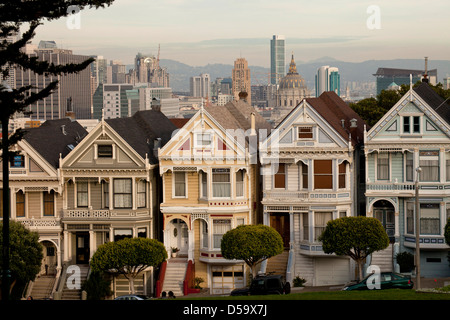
[
  {"x": 237, "y": 115},
  {"x": 435, "y": 101},
  {"x": 179, "y": 122},
  {"x": 393, "y": 72},
  {"x": 55, "y": 137},
  {"x": 142, "y": 129},
  {"x": 333, "y": 109},
  {"x": 292, "y": 78}
]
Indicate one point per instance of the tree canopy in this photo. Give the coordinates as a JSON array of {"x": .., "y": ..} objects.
[
  {"x": 128, "y": 257},
  {"x": 251, "y": 243},
  {"x": 356, "y": 237},
  {"x": 25, "y": 253}
]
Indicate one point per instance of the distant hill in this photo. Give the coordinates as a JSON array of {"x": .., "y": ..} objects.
[{"x": 350, "y": 71}]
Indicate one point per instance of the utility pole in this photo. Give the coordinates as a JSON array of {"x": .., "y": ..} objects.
[{"x": 418, "y": 170}]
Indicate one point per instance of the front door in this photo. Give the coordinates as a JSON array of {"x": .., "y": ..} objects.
[
  {"x": 82, "y": 250},
  {"x": 280, "y": 222},
  {"x": 180, "y": 235},
  {"x": 387, "y": 218}
]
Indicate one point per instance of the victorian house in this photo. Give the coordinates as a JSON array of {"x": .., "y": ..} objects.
[
  {"x": 310, "y": 167},
  {"x": 36, "y": 191},
  {"x": 111, "y": 189},
  {"x": 413, "y": 134},
  {"x": 210, "y": 179}
]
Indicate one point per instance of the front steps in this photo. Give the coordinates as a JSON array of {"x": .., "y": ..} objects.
[
  {"x": 174, "y": 277},
  {"x": 278, "y": 264},
  {"x": 74, "y": 294},
  {"x": 42, "y": 287},
  {"x": 383, "y": 259}
]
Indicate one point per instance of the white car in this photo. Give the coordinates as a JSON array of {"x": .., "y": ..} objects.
[{"x": 133, "y": 297}]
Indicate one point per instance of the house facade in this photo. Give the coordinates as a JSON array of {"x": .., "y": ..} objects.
[
  {"x": 310, "y": 167},
  {"x": 413, "y": 134},
  {"x": 210, "y": 185}
]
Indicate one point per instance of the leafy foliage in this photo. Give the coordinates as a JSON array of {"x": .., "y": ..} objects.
[
  {"x": 25, "y": 253},
  {"x": 251, "y": 243},
  {"x": 356, "y": 237},
  {"x": 97, "y": 286},
  {"x": 128, "y": 257}
]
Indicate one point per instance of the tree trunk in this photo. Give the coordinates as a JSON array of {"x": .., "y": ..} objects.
[
  {"x": 131, "y": 281},
  {"x": 360, "y": 269}
]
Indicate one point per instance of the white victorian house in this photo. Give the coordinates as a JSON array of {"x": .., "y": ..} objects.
[
  {"x": 310, "y": 167},
  {"x": 414, "y": 133}
]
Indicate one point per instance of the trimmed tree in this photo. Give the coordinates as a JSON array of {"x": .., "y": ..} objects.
[
  {"x": 251, "y": 243},
  {"x": 356, "y": 237},
  {"x": 25, "y": 254},
  {"x": 128, "y": 257}
]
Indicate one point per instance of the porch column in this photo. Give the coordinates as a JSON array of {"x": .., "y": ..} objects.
[
  {"x": 291, "y": 230},
  {"x": 191, "y": 244},
  {"x": 397, "y": 224},
  {"x": 91, "y": 242},
  {"x": 66, "y": 245}
]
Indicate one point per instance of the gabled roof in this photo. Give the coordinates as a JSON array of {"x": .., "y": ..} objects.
[
  {"x": 333, "y": 109},
  {"x": 55, "y": 137},
  {"x": 434, "y": 100},
  {"x": 142, "y": 129}
]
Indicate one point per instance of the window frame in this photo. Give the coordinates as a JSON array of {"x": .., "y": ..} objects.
[
  {"x": 48, "y": 200},
  {"x": 388, "y": 165},
  {"x": 174, "y": 184},
  {"x": 82, "y": 192},
  {"x": 115, "y": 193},
  {"x": 221, "y": 171},
  {"x": 280, "y": 177},
  {"x": 20, "y": 201},
  {"x": 318, "y": 174}
]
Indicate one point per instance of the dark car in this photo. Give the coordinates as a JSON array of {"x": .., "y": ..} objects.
[
  {"x": 133, "y": 297},
  {"x": 388, "y": 280},
  {"x": 263, "y": 285}
]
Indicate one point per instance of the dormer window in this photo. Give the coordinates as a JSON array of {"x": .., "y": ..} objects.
[
  {"x": 105, "y": 151},
  {"x": 305, "y": 133},
  {"x": 18, "y": 161},
  {"x": 411, "y": 125}
]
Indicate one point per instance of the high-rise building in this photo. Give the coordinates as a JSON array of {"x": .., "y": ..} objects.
[
  {"x": 147, "y": 69},
  {"x": 277, "y": 59},
  {"x": 200, "y": 86},
  {"x": 241, "y": 79},
  {"x": 328, "y": 79},
  {"x": 73, "y": 93},
  {"x": 386, "y": 76}
]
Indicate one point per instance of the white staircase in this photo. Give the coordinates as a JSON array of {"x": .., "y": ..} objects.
[
  {"x": 174, "y": 277},
  {"x": 74, "y": 294},
  {"x": 383, "y": 259},
  {"x": 278, "y": 263},
  {"x": 42, "y": 287}
]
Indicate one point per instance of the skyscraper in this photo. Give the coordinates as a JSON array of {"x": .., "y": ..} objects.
[
  {"x": 241, "y": 79},
  {"x": 200, "y": 86},
  {"x": 328, "y": 79},
  {"x": 277, "y": 59}
]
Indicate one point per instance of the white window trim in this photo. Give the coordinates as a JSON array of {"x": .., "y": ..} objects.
[
  {"x": 389, "y": 168},
  {"x": 185, "y": 186}
]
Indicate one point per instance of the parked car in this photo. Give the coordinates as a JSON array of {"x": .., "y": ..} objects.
[
  {"x": 265, "y": 284},
  {"x": 388, "y": 280},
  {"x": 133, "y": 297}
]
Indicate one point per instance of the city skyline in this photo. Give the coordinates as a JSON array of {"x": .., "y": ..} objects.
[{"x": 199, "y": 32}]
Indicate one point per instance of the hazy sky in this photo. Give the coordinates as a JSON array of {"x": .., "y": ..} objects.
[{"x": 198, "y": 32}]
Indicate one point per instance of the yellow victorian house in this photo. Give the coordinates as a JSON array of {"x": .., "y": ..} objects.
[{"x": 211, "y": 183}]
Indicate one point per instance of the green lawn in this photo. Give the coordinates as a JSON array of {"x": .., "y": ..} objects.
[{"x": 392, "y": 294}]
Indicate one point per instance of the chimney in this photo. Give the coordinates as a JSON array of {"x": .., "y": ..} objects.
[
  {"x": 156, "y": 104},
  {"x": 243, "y": 96},
  {"x": 253, "y": 124},
  {"x": 343, "y": 123},
  {"x": 353, "y": 123},
  {"x": 425, "y": 75}
]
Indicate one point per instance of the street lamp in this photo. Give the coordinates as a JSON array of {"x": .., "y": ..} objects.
[
  {"x": 5, "y": 155},
  {"x": 418, "y": 170}
]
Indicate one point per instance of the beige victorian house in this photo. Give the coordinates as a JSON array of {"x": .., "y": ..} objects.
[{"x": 210, "y": 185}]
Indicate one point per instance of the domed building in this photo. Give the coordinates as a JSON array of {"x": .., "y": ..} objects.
[{"x": 291, "y": 91}]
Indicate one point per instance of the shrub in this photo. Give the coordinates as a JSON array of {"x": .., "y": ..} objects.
[
  {"x": 299, "y": 282},
  {"x": 97, "y": 286},
  {"x": 406, "y": 261}
]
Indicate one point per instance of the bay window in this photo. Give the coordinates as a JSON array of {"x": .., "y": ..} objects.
[
  {"x": 429, "y": 163},
  {"x": 82, "y": 194},
  {"x": 383, "y": 166},
  {"x": 220, "y": 227},
  {"x": 323, "y": 174},
  {"x": 141, "y": 194},
  {"x": 221, "y": 183},
  {"x": 179, "y": 184},
  {"x": 320, "y": 223},
  {"x": 49, "y": 203},
  {"x": 429, "y": 218},
  {"x": 123, "y": 193}
]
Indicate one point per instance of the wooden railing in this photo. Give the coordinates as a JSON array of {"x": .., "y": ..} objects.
[
  {"x": 188, "y": 283},
  {"x": 160, "y": 281}
]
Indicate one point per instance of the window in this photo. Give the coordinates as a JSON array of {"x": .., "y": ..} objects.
[
  {"x": 20, "y": 204},
  {"x": 305, "y": 133},
  {"x": 409, "y": 166},
  {"x": 406, "y": 125},
  {"x": 120, "y": 234},
  {"x": 280, "y": 177},
  {"x": 105, "y": 186},
  {"x": 304, "y": 172},
  {"x": 49, "y": 203},
  {"x": 429, "y": 163},
  {"x": 221, "y": 183},
  {"x": 220, "y": 227},
  {"x": 141, "y": 194},
  {"x": 105, "y": 151},
  {"x": 203, "y": 140},
  {"x": 383, "y": 166},
  {"x": 17, "y": 161},
  {"x": 342, "y": 175},
  {"x": 323, "y": 174},
  {"x": 320, "y": 223},
  {"x": 305, "y": 228},
  {"x": 142, "y": 232},
  {"x": 179, "y": 184},
  {"x": 429, "y": 218},
  {"x": 82, "y": 194},
  {"x": 240, "y": 183},
  {"x": 122, "y": 193},
  {"x": 447, "y": 166},
  {"x": 416, "y": 124},
  {"x": 204, "y": 226},
  {"x": 204, "y": 186},
  {"x": 410, "y": 218}
]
